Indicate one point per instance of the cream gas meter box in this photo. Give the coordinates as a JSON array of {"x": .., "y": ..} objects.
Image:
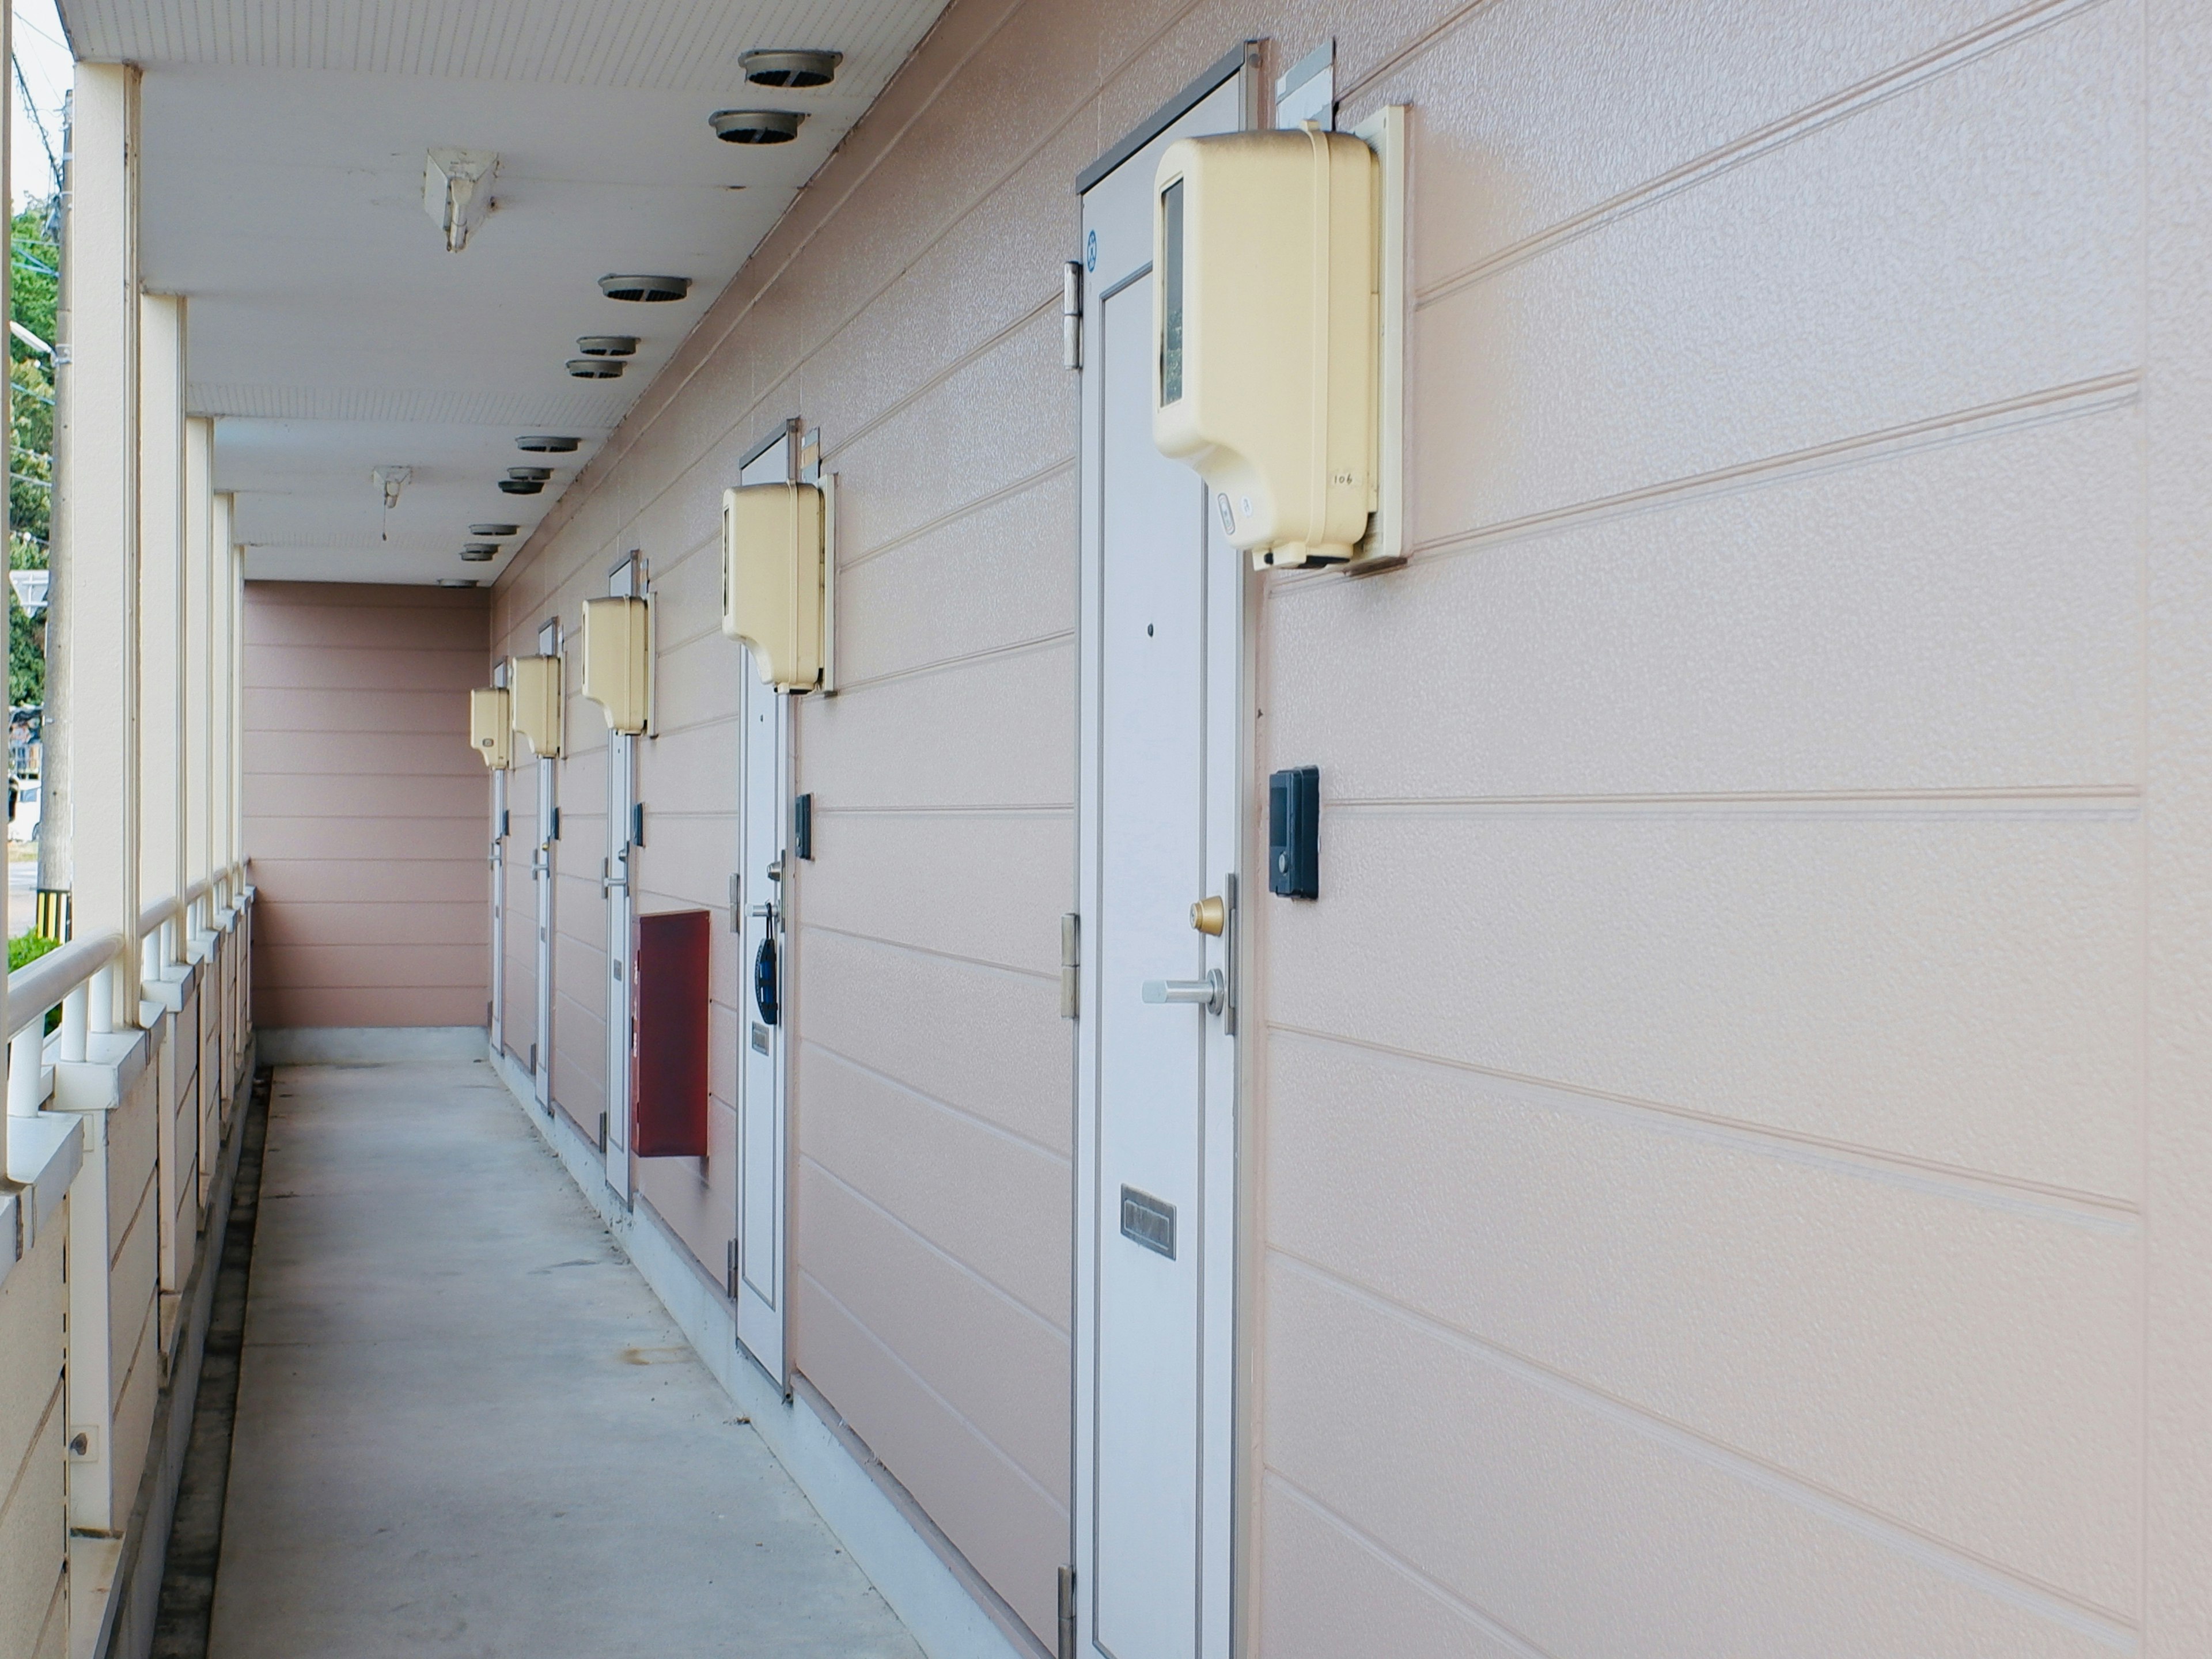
[
  {"x": 618, "y": 661},
  {"x": 1266, "y": 277},
  {"x": 488, "y": 725},
  {"x": 772, "y": 580},
  {"x": 535, "y": 683}
]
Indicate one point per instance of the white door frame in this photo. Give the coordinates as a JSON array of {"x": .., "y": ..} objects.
[
  {"x": 1234, "y": 80},
  {"x": 617, "y": 878},
  {"x": 766, "y": 881},
  {"x": 541, "y": 875},
  {"x": 495, "y": 1035}
]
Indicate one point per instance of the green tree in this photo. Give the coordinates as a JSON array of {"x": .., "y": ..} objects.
[{"x": 33, "y": 289}]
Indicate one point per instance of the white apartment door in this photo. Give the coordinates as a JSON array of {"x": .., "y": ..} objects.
[
  {"x": 1161, "y": 640},
  {"x": 496, "y": 1035},
  {"x": 541, "y": 884},
  {"x": 626, "y": 580},
  {"x": 765, "y": 976}
]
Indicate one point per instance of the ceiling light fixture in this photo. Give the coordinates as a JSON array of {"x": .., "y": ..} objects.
[
  {"x": 597, "y": 368},
  {"x": 391, "y": 480},
  {"x": 457, "y": 581},
  {"x": 457, "y": 192},
  {"x": 493, "y": 529},
  {"x": 755, "y": 126},
  {"x": 607, "y": 345},
  {"x": 790, "y": 69},
  {"x": 478, "y": 553},
  {"x": 544, "y": 445},
  {"x": 647, "y": 290},
  {"x": 525, "y": 480}
]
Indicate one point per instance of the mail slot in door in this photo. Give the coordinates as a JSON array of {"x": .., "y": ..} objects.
[{"x": 668, "y": 1041}]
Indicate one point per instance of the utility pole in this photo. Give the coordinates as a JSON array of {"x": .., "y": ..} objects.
[{"x": 54, "y": 864}]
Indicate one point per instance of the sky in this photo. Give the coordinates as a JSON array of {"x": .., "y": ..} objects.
[{"x": 44, "y": 58}]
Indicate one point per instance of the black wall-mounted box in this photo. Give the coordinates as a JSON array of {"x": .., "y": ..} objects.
[{"x": 1294, "y": 833}]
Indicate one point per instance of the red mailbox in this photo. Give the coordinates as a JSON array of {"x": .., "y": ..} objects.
[{"x": 668, "y": 1034}]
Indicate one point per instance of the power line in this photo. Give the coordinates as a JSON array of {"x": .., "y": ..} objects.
[{"x": 23, "y": 86}]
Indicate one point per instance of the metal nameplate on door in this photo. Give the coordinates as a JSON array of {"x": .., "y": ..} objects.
[{"x": 1149, "y": 1221}]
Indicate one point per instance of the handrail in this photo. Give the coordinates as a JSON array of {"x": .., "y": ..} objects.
[
  {"x": 37, "y": 986},
  {"x": 161, "y": 910}
]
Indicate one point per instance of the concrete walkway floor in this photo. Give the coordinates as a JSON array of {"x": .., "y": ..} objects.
[{"x": 466, "y": 1427}]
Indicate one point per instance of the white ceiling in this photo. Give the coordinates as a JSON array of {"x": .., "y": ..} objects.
[{"x": 328, "y": 329}]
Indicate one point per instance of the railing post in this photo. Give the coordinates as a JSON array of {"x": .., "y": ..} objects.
[
  {"x": 76, "y": 1022},
  {"x": 26, "y": 1067}
]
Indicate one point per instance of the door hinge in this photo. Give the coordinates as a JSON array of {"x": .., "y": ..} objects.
[
  {"x": 555, "y": 835},
  {"x": 736, "y": 909},
  {"x": 1071, "y": 314},
  {"x": 730, "y": 1272},
  {"x": 1067, "y": 1613},
  {"x": 603, "y": 1132},
  {"x": 1071, "y": 962}
]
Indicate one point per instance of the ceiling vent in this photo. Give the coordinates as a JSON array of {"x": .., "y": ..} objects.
[
  {"x": 478, "y": 553},
  {"x": 755, "y": 126},
  {"x": 607, "y": 345},
  {"x": 519, "y": 483},
  {"x": 493, "y": 529},
  {"x": 647, "y": 290},
  {"x": 597, "y": 368},
  {"x": 791, "y": 69},
  {"x": 541, "y": 445},
  {"x": 457, "y": 581}
]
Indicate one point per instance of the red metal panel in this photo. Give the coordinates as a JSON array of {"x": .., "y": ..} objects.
[{"x": 668, "y": 1041}]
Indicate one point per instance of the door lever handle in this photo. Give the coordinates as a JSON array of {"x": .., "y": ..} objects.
[{"x": 1211, "y": 993}]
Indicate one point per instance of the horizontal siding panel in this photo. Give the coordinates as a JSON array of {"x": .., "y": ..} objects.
[
  {"x": 307, "y": 753},
  {"x": 998, "y": 419},
  {"x": 381, "y": 921},
  {"x": 1013, "y": 1533},
  {"x": 373, "y": 967},
  {"x": 1953, "y": 989},
  {"x": 1681, "y": 83},
  {"x": 1899, "y": 264},
  {"x": 1004, "y": 1370},
  {"x": 696, "y": 1197},
  {"x": 885, "y": 875},
  {"x": 1504, "y": 1487},
  {"x": 993, "y": 731},
  {"x": 986, "y": 1041},
  {"x": 322, "y": 667},
  {"x": 2003, "y": 1341},
  {"x": 371, "y": 880},
  {"x": 394, "y": 839},
  {"x": 1014, "y": 578},
  {"x": 321, "y": 795},
  {"x": 998, "y": 1206},
  {"x": 280, "y": 1006},
  {"x": 1326, "y": 1592},
  {"x": 440, "y": 713},
  {"x": 1961, "y": 616}
]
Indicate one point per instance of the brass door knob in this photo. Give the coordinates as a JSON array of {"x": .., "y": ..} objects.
[{"x": 1209, "y": 915}]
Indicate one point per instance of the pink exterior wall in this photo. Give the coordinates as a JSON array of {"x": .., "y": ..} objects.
[
  {"x": 1712, "y": 1139},
  {"x": 365, "y": 812}
]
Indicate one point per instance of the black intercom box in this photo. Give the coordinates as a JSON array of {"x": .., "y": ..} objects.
[{"x": 1294, "y": 832}]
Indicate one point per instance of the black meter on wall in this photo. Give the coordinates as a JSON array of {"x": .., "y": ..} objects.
[{"x": 1294, "y": 832}]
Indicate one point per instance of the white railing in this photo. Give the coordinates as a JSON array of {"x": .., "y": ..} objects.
[{"x": 80, "y": 979}]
